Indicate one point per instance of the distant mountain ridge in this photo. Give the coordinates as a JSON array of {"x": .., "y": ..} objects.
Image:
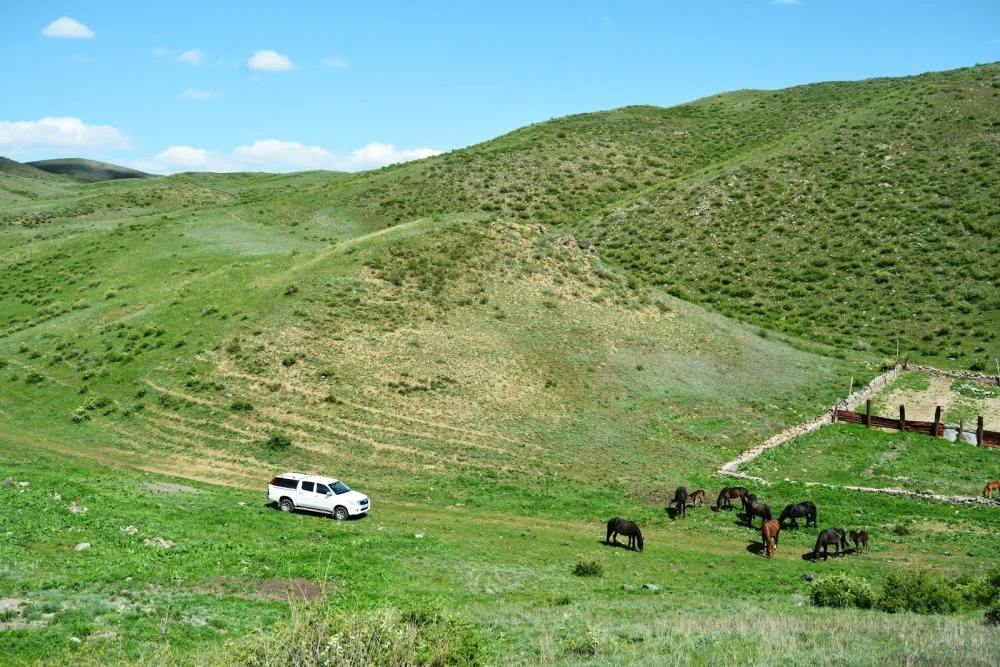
[{"x": 87, "y": 171}]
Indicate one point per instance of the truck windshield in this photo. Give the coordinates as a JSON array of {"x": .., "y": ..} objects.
[{"x": 339, "y": 488}]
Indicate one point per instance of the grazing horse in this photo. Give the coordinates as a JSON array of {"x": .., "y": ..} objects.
[
  {"x": 727, "y": 494},
  {"x": 758, "y": 509},
  {"x": 696, "y": 497},
  {"x": 748, "y": 500},
  {"x": 793, "y": 512},
  {"x": 834, "y": 536},
  {"x": 990, "y": 488},
  {"x": 769, "y": 536},
  {"x": 630, "y": 530},
  {"x": 680, "y": 501},
  {"x": 860, "y": 539},
  {"x": 612, "y": 530}
]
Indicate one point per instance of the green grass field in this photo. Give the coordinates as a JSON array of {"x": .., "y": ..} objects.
[{"x": 491, "y": 344}]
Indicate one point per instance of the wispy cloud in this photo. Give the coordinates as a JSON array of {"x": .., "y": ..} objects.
[
  {"x": 161, "y": 52},
  {"x": 66, "y": 27},
  {"x": 58, "y": 132},
  {"x": 277, "y": 155},
  {"x": 335, "y": 62},
  {"x": 192, "y": 57},
  {"x": 196, "y": 94},
  {"x": 270, "y": 61}
]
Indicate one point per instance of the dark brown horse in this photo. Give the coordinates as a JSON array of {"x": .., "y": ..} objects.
[
  {"x": 793, "y": 512},
  {"x": 727, "y": 494},
  {"x": 630, "y": 530},
  {"x": 680, "y": 501},
  {"x": 612, "y": 530},
  {"x": 769, "y": 536},
  {"x": 748, "y": 500},
  {"x": 834, "y": 536},
  {"x": 860, "y": 539},
  {"x": 696, "y": 497},
  {"x": 990, "y": 488},
  {"x": 758, "y": 509}
]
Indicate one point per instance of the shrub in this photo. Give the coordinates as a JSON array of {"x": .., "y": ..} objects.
[
  {"x": 318, "y": 635},
  {"x": 278, "y": 441},
  {"x": 588, "y": 567},
  {"x": 843, "y": 590},
  {"x": 993, "y": 613},
  {"x": 288, "y": 360},
  {"x": 976, "y": 591},
  {"x": 241, "y": 406},
  {"x": 923, "y": 592},
  {"x": 33, "y": 377},
  {"x": 291, "y": 289}
]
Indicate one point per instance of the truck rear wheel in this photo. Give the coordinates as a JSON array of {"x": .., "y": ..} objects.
[{"x": 286, "y": 505}]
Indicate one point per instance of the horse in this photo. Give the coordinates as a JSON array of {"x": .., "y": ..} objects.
[
  {"x": 630, "y": 530},
  {"x": 834, "y": 536},
  {"x": 696, "y": 497},
  {"x": 727, "y": 494},
  {"x": 748, "y": 500},
  {"x": 769, "y": 536},
  {"x": 860, "y": 539},
  {"x": 680, "y": 501},
  {"x": 612, "y": 530},
  {"x": 758, "y": 509},
  {"x": 793, "y": 512},
  {"x": 990, "y": 488}
]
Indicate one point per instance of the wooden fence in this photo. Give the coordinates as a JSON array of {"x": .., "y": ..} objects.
[{"x": 935, "y": 428}]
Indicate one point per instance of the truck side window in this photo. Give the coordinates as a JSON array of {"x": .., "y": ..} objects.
[
  {"x": 322, "y": 489},
  {"x": 307, "y": 486}
]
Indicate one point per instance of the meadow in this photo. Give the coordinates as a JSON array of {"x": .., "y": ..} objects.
[{"x": 504, "y": 346}]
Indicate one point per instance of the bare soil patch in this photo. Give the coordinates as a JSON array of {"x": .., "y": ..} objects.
[{"x": 167, "y": 487}]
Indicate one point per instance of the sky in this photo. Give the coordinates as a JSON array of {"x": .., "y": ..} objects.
[{"x": 282, "y": 86}]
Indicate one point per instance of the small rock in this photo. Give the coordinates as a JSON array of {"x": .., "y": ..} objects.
[
  {"x": 75, "y": 640},
  {"x": 628, "y": 587},
  {"x": 76, "y": 509},
  {"x": 241, "y": 504},
  {"x": 651, "y": 587},
  {"x": 131, "y": 530},
  {"x": 56, "y": 496},
  {"x": 82, "y": 545},
  {"x": 808, "y": 577},
  {"x": 8, "y": 482},
  {"x": 160, "y": 542},
  {"x": 381, "y": 528},
  {"x": 490, "y": 591},
  {"x": 418, "y": 535},
  {"x": 24, "y": 485}
]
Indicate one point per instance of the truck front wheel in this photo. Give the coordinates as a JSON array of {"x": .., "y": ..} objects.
[{"x": 340, "y": 514}]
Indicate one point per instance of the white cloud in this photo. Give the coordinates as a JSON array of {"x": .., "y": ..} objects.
[
  {"x": 270, "y": 61},
  {"x": 68, "y": 28},
  {"x": 277, "y": 155},
  {"x": 196, "y": 94},
  {"x": 338, "y": 63},
  {"x": 65, "y": 132},
  {"x": 192, "y": 57}
]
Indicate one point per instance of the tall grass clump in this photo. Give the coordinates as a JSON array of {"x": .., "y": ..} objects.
[{"x": 319, "y": 636}]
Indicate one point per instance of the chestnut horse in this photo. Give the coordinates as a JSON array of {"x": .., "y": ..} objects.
[
  {"x": 727, "y": 494},
  {"x": 860, "y": 539},
  {"x": 769, "y": 536},
  {"x": 696, "y": 497},
  {"x": 990, "y": 488},
  {"x": 834, "y": 536}
]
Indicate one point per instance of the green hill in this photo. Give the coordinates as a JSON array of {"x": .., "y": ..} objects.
[
  {"x": 23, "y": 183},
  {"x": 88, "y": 171}
]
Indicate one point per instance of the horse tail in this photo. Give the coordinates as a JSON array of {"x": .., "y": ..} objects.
[{"x": 819, "y": 543}]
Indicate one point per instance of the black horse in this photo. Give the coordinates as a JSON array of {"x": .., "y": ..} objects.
[
  {"x": 758, "y": 509},
  {"x": 630, "y": 530},
  {"x": 612, "y": 530},
  {"x": 797, "y": 511},
  {"x": 727, "y": 494},
  {"x": 680, "y": 501},
  {"x": 748, "y": 500},
  {"x": 835, "y": 536}
]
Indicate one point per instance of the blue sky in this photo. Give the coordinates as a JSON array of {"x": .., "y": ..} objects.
[{"x": 172, "y": 86}]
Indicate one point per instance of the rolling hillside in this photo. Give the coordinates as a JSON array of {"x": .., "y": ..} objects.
[{"x": 88, "y": 171}]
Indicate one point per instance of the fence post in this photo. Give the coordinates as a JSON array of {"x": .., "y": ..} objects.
[
  {"x": 937, "y": 422},
  {"x": 979, "y": 432},
  {"x": 961, "y": 430},
  {"x": 868, "y": 413},
  {"x": 902, "y": 418}
]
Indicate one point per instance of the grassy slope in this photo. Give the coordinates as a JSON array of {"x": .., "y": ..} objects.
[
  {"x": 22, "y": 183},
  {"x": 88, "y": 171}
]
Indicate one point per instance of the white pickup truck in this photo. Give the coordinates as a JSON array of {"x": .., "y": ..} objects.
[{"x": 295, "y": 490}]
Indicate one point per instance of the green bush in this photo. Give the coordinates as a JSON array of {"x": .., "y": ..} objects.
[
  {"x": 922, "y": 592},
  {"x": 588, "y": 567},
  {"x": 318, "y": 635},
  {"x": 993, "y": 613},
  {"x": 843, "y": 590},
  {"x": 278, "y": 441},
  {"x": 974, "y": 590}
]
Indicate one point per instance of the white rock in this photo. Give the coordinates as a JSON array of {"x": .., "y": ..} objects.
[
  {"x": 82, "y": 545},
  {"x": 56, "y": 496},
  {"x": 76, "y": 509},
  {"x": 24, "y": 484},
  {"x": 131, "y": 530}
]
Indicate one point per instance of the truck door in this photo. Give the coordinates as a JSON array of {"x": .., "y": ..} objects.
[
  {"x": 307, "y": 496},
  {"x": 324, "y": 498}
]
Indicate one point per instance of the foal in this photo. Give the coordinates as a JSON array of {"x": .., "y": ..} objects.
[
  {"x": 860, "y": 539},
  {"x": 990, "y": 488},
  {"x": 697, "y": 497}
]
